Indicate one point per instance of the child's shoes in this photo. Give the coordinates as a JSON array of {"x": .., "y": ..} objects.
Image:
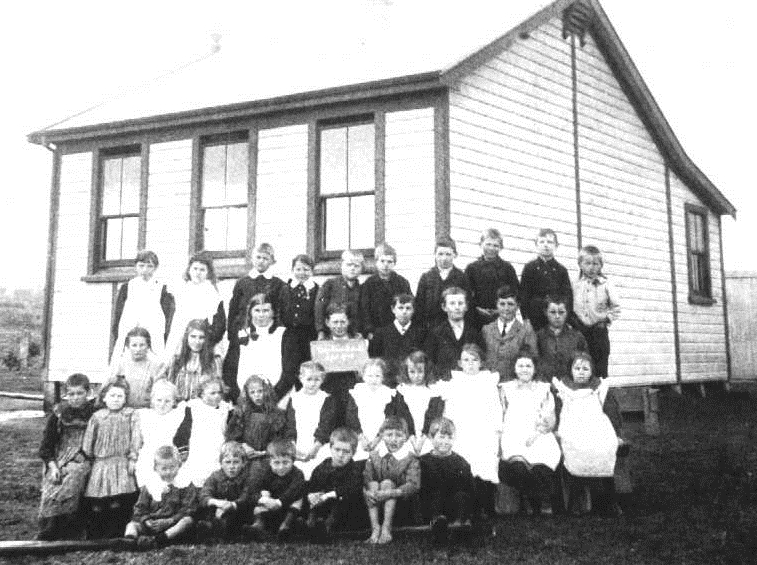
[{"x": 439, "y": 530}]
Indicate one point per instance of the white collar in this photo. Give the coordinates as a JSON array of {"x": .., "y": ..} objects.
[
  {"x": 444, "y": 273},
  {"x": 505, "y": 326},
  {"x": 400, "y": 328},
  {"x": 157, "y": 486},
  {"x": 308, "y": 284},
  {"x": 254, "y": 273},
  {"x": 401, "y": 453}
]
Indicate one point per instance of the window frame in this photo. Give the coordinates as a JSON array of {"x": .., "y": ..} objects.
[
  {"x": 97, "y": 261},
  {"x": 701, "y": 296},
  {"x": 198, "y": 211},
  {"x": 323, "y": 256}
]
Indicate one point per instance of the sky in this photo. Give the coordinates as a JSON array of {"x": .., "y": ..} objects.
[{"x": 59, "y": 58}]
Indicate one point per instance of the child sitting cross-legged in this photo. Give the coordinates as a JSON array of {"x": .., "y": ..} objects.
[
  {"x": 335, "y": 489},
  {"x": 164, "y": 509},
  {"x": 448, "y": 489},
  {"x": 281, "y": 488},
  {"x": 392, "y": 473}
]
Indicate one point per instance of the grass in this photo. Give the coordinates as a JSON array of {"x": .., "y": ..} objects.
[
  {"x": 694, "y": 502},
  {"x": 27, "y": 381}
]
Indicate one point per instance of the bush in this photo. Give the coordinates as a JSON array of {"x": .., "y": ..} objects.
[
  {"x": 34, "y": 349},
  {"x": 11, "y": 361}
]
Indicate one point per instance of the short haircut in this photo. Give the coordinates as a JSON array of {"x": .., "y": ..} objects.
[
  {"x": 544, "y": 232},
  {"x": 492, "y": 233},
  {"x": 206, "y": 382},
  {"x": 166, "y": 453},
  {"x": 555, "y": 299},
  {"x": 507, "y": 291},
  {"x": 312, "y": 367},
  {"x": 163, "y": 385},
  {"x": 336, "y": 308},
  {"x": 591, "y": 251},
  {"x": 441, "y": 426},
  {"x": 402, "y": 298},
  {"x": 394, "y": 423},
  {"x": 452, "y": 290},
  {"x": 416, "y": 357},
  {"x": 281, "y": 448},
  {"x": 266, "y": 248},
  {"x": 385, "y": 249},
  {"x": 232, "y": 449},
  {"x": 375, "y": 362},
  {"x": 445, "y": 242},
  {"x": 79, "y": 379},
  {"x": 348, "y": 254},
  {"x": 472, "y": 349},
  {"x": 146, "y": 256},
  {"x": 138, "y": 331},
  {"x": 344, "y": 435},
  {"x": 304, "y": 259}
]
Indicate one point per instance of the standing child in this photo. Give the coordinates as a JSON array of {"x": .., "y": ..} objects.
[
  {"x": 543, "y": 277},
  {"x": 314, "y": 413},
  {"x": 595, "y": 307},
  {"x": 160, "y": 423},
  {"x": 447, "y": 481},
  {"x": 445, "y": 341},
  {"x": 260, "y": 280},
  {"x": 197, "y": 299},
  {"x": 395, "y": 341},
  {"x": 506, "y": 336},
  {"x": 589, "y": 432},
  {"x": 487, "y": 274},
  {"x": 66, "y": 469},
  {"x": 298, "y": 309},
  {"x": 111, "y": 442},
  {"x": 392, "y": 473},
  {"x": 143, "y": 302},
  {"x": 281, "y": 488},
  {"x": 557, "y": 342},
  {"x": 196, "y": 361},
  {"x": 344, "y": 289},
  {"x": 335, "y": 489},
  {"x": 257, "y": 421},
  {"x": 225, "y": 497},
  {"x": 378, "y": 291},
  {"x": 369, "y": 403},
  {"x": 443, "y": 275},
  {"x": 164, "y": 509},
  {"x": 471, "y": 400},
  {"x": 423, "y": 402},
  {"x": 261, "y": 349},
  {"x": 528, "y": 450},
  {"x": 139, "y": 366},
  {"x": 200, "y": 435}
]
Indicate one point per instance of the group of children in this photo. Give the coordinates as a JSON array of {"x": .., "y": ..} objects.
[{"x": 266, "y": 441}]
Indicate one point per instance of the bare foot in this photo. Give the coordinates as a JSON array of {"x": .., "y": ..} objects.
[
  {"x": 385, "y": 537},
  {"x": 375, "y": 536}
]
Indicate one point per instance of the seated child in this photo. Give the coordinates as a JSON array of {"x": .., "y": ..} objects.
[
  {"x": 447, "y": 482},
  {"x": 396, "y": 340},
  {"x": 338, "y": 383},
  {"x": 139, "y": 366},
  {"x": 529, "y": 453},
  {"x": 369, "y": 403},
  {"x": 344, "y": 289},
  {"x": 313, "y": 413},
  {"x": 225, "y": 498},
  {"x": 506, "y": 336},
  {"x": 281, "y": 488},
  {"x": 443, "y": 275},
  {"x": 421, "y": 397},
  {"x": 164, "y": 509},
  {"x": 335, "y": 490},
  {"x": 66, "y": 469},
  {"x": 557, "y": 342},
  {"x": 378, "y": 290},
  {"x": 195, "y": 361},
  {"x": 589, "y": 433},
  {"x": 160, "y": 423},
  {"x": 391, "y": 473}
]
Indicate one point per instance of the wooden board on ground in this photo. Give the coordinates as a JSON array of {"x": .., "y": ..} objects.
[{"x": 340, "y": 355}]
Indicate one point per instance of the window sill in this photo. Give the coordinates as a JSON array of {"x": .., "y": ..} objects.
[
  {"x": 110, "y": 275},
  {"x": 701, "y": 300}
]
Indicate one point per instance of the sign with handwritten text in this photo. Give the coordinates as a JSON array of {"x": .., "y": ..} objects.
[{"x": 340, "y": 354}]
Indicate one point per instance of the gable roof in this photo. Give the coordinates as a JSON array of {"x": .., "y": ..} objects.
[{"x": 358, "y": 65}]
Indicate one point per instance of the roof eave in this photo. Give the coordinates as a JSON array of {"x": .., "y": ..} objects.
[{"x": 375, "y": 89}]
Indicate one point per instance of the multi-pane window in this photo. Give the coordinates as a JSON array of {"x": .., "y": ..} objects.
[
  {"x": 224, "y": 195},
  {"x": 120, "y": 206},
  {"x": 347, "y": 186},
  {"x": 697, "y": 245}
]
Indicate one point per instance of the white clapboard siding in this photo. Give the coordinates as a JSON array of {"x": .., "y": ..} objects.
[
  {"x": 409, "y": 189},
  {"x": 168, "y": 200},
  {"x": 511, "y": 153},
  {"x": 282, "y": 193},
  {"x": 80, "y": 326},
  {"x": 702, "y": 328}
]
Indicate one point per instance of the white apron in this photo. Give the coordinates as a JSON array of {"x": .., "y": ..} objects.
[
  {"x": 208, "y": 427},
  {"x": 307, "y": 416},
  {"x": 370, "y": 411},
  {"x": 142, "y": 308}
]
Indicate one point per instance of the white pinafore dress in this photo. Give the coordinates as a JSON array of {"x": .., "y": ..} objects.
[{"x": 307, "y": 416}]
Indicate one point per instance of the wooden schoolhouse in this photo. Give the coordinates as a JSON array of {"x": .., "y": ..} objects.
[{"x": 549, "y": 124}]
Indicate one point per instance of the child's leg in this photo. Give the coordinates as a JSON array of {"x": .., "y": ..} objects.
[
  {"x": 373, "y": 512},
  {"x": 485, "y": 495},
  {"x": 390, "y": 506},
  {"x": 290, "y": 517},
  {"x": 133, "y": 529},
  {"x": 179, "y": 528}
]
